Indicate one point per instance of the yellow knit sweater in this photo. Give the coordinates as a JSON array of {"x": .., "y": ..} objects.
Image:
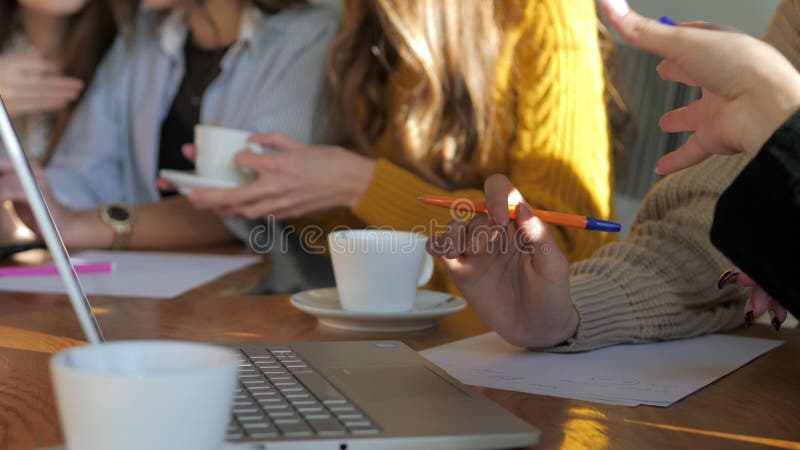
[{"x": 550, "y": 104}]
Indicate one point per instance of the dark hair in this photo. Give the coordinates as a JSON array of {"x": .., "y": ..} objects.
[{"x": 89, "y": 34}]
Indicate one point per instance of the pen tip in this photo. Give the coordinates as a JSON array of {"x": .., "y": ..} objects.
[{"x": 419, "y": 197}]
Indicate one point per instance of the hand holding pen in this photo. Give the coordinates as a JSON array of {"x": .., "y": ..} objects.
[
  {"x": 512, "y": 272},
  {"x": 742, "y": 104}
]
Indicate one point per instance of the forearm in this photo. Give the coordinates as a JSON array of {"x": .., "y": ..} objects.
[
  {"x": 172, "y": 222},
  {"x": 661, "y": 283}
]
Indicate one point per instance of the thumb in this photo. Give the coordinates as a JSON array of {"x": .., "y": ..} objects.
[{"x": 641, "y": 32}]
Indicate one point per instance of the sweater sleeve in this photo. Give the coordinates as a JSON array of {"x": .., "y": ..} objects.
[
  {"x": 661, "y": 283},
  {"x": 756, "y": 219},
  {"x": 559, "y": 158}
]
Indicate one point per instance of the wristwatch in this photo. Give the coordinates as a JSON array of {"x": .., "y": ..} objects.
[{"x": 120, "y": 218}]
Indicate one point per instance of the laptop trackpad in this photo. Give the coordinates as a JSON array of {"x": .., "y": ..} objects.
[{"x": 385, "y": 383}]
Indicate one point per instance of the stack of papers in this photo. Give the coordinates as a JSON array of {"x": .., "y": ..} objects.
[
  {"x": 630, "y": 375},
  {"x": 138, "y": 274}
]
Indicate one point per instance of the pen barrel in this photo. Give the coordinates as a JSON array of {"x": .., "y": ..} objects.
[{"x": 561, "y": 219}]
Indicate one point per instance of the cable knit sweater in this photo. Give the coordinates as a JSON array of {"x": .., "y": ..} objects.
[
  {"x": 553, "y": 133},
  {"x": 661, "y": 283}
]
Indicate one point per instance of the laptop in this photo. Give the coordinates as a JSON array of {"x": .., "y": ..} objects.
[{"x": 321, "y": 395}]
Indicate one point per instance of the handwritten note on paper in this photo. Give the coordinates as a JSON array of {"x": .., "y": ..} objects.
[
  {"x": 648, "y": 374},
  {"x": 138, "y": 274}
]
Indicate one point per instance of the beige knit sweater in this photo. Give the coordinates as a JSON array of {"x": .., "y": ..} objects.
[{"x": 661, "y": 283}]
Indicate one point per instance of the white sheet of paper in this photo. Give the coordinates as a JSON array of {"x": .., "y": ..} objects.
[
  {"x": 652, "y": 374},
  {"x": 138, "y": 274}
]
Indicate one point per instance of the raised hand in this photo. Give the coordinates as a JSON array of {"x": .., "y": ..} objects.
[
  {"x": 749, "y": 88},
  {"x": 31, "y": 84}
]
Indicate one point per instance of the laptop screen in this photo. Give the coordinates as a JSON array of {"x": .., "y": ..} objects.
[{"x": 48, "y": 230}]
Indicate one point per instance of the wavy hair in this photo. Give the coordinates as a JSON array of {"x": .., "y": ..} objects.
[{"x": 447, "y": 77}]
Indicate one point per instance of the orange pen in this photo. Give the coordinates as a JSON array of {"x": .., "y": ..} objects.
[{"x": 554, "y": 218}]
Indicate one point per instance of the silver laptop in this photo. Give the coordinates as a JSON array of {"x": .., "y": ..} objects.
[{"x": 322, "y": 395}]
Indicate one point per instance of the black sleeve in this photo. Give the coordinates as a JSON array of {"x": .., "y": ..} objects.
[{"x": 757, "y": 219}]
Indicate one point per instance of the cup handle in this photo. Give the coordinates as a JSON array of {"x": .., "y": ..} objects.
[{"x": 427, "y": 271}]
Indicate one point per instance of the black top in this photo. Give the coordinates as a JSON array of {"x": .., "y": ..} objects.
[
  {"x": 757, "y": 219},
  {"x": 202, "y": 67}
]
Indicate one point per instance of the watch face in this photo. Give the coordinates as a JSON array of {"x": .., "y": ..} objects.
[{"x": 118, "y": 213}]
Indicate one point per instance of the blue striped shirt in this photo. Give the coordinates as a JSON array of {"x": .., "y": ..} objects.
[{"x": 272, "y": 78}]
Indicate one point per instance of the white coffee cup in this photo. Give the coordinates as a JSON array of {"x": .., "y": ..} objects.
[
  {"x": 216, "y": 148},
  {"x": 155, "y": 395},
  {"x": 379, "y": 270}
]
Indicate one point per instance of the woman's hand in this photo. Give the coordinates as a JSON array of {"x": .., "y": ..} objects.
[
  {"x": 749, "y": 88},
  {"x": 511, "y": 272},
  {"x": 30, "y": 84},
  {"x": 758, "y": 302},
  {"x": 82, "y": 229},
  {"x": 292, "y": 180}
]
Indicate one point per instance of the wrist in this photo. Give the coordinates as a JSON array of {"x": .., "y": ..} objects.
[
  {"x": 84, "y": 229},
  {"x": 358, "y": 178}
]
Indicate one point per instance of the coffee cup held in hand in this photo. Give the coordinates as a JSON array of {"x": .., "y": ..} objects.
[{"x": 216, "y": 149}]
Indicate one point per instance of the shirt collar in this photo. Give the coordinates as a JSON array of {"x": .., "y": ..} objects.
[{"x": 174, "y": 29}]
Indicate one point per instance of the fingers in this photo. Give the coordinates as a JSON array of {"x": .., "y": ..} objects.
[
  {"x": 497, "y": 190},
  {"x": 189, "y": 151},
  {"x": 50, "y": 85},
  {"x": 452, "y": 242},
  {"x": 256, "y": 161},
  {"x": 687, "y": 155},
  {"x": 276, "y": 140},
  {"x": 670, "y": 71},
  {"x": 760, "y": 301},
  {"x": 34, "y": 64},
  {"x": 164, "y": 185},
  {"x": 681, "y": 119}
]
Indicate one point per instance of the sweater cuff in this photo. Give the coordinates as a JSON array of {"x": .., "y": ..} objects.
[
  {"x": 391, "y": 200},
  {"x": 605, "y": 316}
]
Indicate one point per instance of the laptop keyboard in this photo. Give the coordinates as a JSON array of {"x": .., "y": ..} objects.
[{"x": 281, "y": 395}]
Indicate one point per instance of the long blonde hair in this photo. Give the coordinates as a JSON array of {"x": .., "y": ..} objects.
[
  {"x": 447, "y": 105},
  {"x": 444, "y": 56}
]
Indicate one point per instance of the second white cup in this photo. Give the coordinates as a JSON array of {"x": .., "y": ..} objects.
[
  {"x": 154, "y": 395},
  {"x": 379, "y": 270},
  {"x": 216, "y": 147}
]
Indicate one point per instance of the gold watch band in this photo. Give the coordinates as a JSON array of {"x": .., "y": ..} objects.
[{"x": 120, "y": 219}]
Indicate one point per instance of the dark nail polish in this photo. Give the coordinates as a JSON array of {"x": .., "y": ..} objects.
[
  {"x": 727, "y": 278},
  {"x": 776, "y": 324},
  {"x": 748, "y": 319}
]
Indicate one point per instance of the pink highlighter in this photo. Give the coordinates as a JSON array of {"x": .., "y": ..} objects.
[{"x": 49, "y": 269}]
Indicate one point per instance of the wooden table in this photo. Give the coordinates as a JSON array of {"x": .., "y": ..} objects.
[{"x": 757, "y": 406}]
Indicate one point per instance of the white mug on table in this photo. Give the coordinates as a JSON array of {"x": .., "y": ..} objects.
[
  {"x": 154, "y": 395},
  {"x": 379, "y": 270}
]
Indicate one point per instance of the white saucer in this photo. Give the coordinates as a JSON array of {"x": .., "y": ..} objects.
[
  {"x": 429, "y": 307},
  {"x": 186, "y": 181}
]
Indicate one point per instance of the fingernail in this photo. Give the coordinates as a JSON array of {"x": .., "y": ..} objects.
[
  {"x": 727, "y": 278},
  {"x": 775, "y": 322},
  {"x": 667, "y": 21},
  {"x": 619, "y": 6},
  {"x": 748, "y": 319}
]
